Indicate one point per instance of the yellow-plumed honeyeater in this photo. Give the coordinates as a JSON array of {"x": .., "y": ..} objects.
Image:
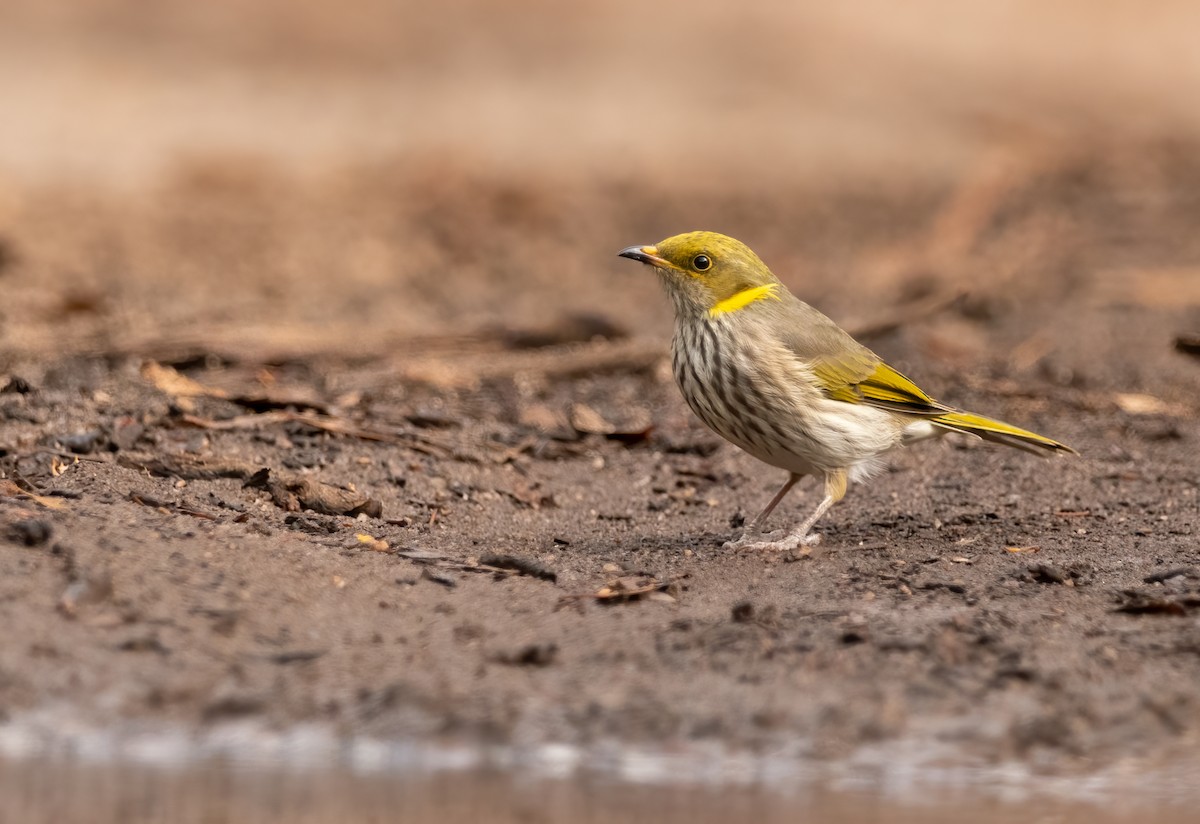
[{"x": 775, "y": 377}]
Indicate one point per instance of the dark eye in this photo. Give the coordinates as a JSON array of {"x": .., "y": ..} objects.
[{"x": 701, "y": 263}]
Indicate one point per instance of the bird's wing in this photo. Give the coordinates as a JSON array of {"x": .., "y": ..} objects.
[
  {"x": 861, "y": 377},
  {"x": 848, "y": 371}
]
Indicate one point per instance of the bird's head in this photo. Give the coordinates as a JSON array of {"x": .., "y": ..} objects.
[{"x": 707, "y": 272}]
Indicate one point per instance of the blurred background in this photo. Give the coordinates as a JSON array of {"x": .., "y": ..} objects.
[{"x": 363, "y": 170}]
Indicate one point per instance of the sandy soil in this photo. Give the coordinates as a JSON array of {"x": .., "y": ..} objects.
[{"x": 451, "y": 348}]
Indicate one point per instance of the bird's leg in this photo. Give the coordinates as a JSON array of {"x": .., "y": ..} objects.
[
  {"x": 755, "y": 526},
  {"x": 835, "y": 490},
  {"x": 752, "y": 529}
]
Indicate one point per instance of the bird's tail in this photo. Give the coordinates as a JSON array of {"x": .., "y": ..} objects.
[{"x": 1000, "y": 432}]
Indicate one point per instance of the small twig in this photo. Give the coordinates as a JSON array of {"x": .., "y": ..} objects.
[
  {"x": 58, "y": 453},
  {"x": 555, "y": 362},
  {"x": 170, "y": 506},
  {"x": 325, "y": 423},
  {"x": 291, "y": 492},
  {"x": 907, "y": 314}
]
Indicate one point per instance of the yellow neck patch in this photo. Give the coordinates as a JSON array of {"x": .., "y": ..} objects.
[{"x": 743, "y": 299}]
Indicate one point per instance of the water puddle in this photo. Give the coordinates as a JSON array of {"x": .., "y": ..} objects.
[{"x": 53, "y": 771}]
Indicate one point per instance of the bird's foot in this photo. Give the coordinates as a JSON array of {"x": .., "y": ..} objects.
[
  {"x": 756, "y": 543},
  {"x": 748, "y": 538}
]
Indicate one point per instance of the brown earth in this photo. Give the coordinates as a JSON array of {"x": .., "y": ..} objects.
[
  {"x": 564, "y": 443},
  {"x": 455, "y": 347}
]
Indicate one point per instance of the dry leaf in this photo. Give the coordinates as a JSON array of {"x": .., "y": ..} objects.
[
  {"x": 589, "y": 421},
  {"x": 634, "y": 587},
  {"x": 170, "y": 381},
  {"x": 377, "y": 544},
  {"x": 541, "y": 417},
  {"x": 1135, "y": 403},
  {"x": 8, "y": 489}
]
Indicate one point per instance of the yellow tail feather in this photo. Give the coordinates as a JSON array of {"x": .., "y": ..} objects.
[{"x": 999, "y": 432}]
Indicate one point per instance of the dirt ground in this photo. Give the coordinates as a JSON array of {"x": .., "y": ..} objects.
[{"x": 449, "y": 351}]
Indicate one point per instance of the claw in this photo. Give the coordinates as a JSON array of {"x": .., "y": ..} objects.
[
  {"x": 791, "y": 542},
  {"x": 739, "y": 544},
  {"x": 751, "y": 540}
]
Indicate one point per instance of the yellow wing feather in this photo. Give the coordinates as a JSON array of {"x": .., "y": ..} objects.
[
  {"x": 856, "y": 379},
  {"x": 847, "y": 371},
  {"x": 885, "y": 388}
]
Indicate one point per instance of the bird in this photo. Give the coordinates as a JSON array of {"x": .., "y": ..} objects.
[{"x": 783, "y": 382}]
